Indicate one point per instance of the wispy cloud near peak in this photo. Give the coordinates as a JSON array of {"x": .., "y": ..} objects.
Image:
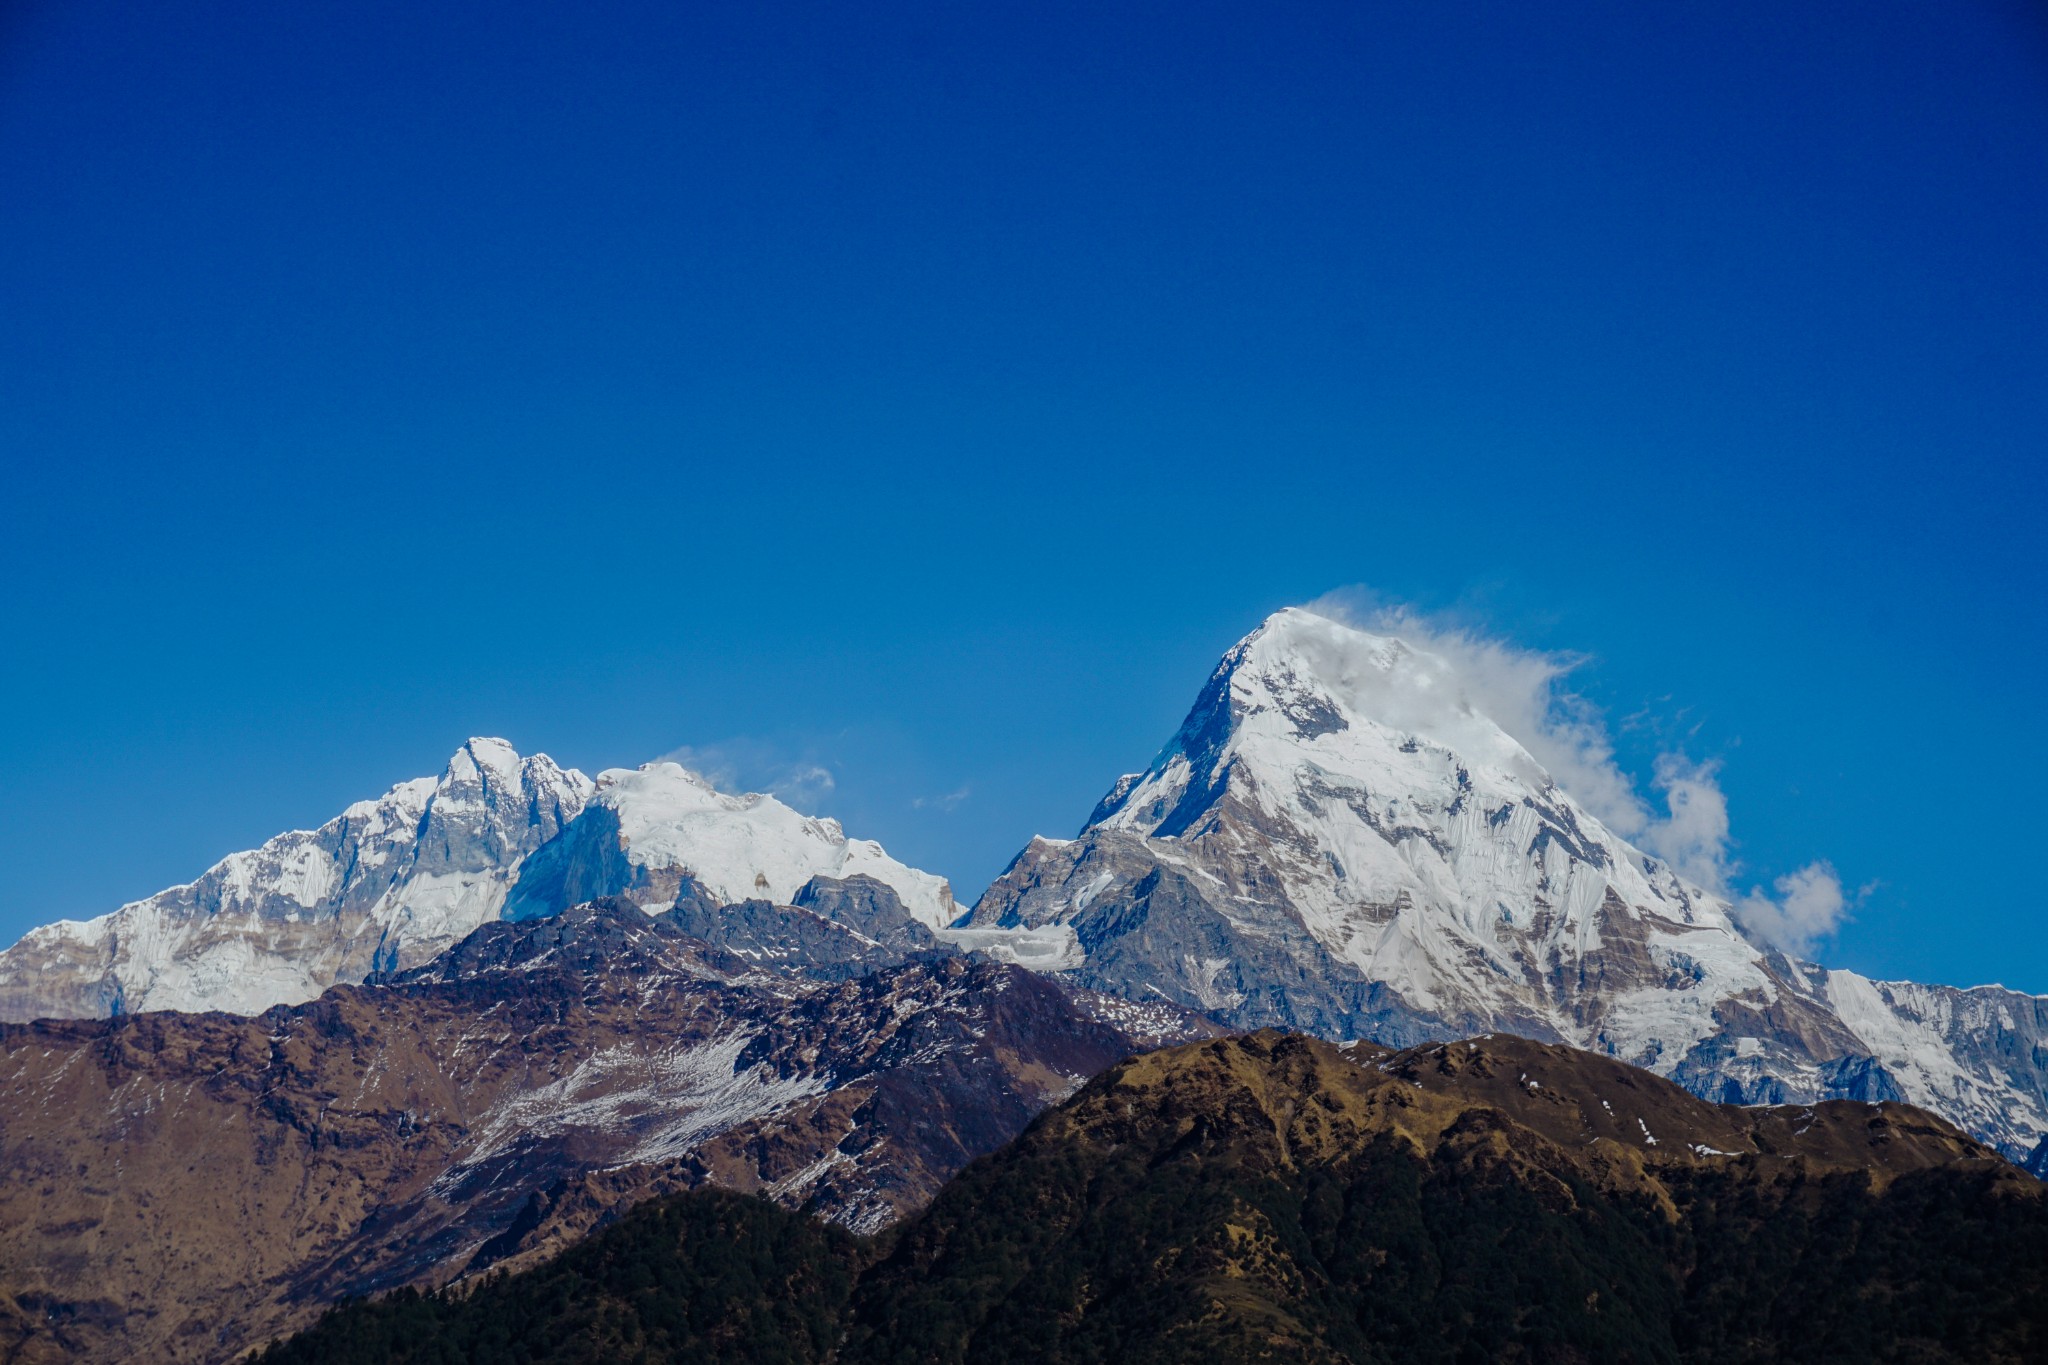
[
  {"x": 743, "y": 764},
  {"x": 1526, "y": 693}
]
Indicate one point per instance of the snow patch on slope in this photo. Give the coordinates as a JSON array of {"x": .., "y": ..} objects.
[
  {"x": 1047, "y": 948},
  {"x": 670, "y": 1099}
]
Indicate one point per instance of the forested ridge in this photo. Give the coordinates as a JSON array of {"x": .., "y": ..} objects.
[{"x": 1272, "y": 1198}]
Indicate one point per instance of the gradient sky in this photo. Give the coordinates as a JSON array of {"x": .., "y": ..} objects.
[{"x": 931, "y": 393}]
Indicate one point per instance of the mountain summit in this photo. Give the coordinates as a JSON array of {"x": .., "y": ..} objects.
[
  {"x": 387, "y": 883},
  {"x": 391, "y": 883},
  {"x": 647, "y": 830},
  {"x": 1338, "y": 840}
]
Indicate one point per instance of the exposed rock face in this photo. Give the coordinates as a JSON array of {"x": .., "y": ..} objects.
[
  {"x": 867, "y": 907},
  {"x": 836, "y": 929},
  {"x": 388, "y": 883},
  {"x": 1337, "y": 842},
  {"x": 179, "y": 1187}
]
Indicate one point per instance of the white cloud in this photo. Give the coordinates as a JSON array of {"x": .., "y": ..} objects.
[
  {"x": 804, "y": 785},
  {"x": 710, "y": 762},
  {"x": 1524, "y": 692},
  {"x": 1809, "y": 907},
  {"x": 1693, "y": 834},
  {"x": 949, "y": 802},
  {"x": 750, "y": 765}
]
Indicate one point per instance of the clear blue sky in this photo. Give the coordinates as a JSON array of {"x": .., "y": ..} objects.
[{"x": 933, "y": 392}]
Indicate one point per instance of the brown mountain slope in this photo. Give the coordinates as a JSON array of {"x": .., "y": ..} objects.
[
  {"x": 1271, "y": 1197},
  {"x": 179, "y": 1187},
  {"x": 1612, "y": 1114}
]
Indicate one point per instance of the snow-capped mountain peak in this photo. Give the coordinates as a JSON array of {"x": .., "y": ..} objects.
[
  {"x": 393, "y": 881},
  {"x": 649, "y": 828},
  {"x": 1305, "y": 690},
  {"x": 1301, "y": 674},
  {"x": 1340, "y": 839},
  {"x": 388, "y": 882},
  {"x": 1391, "y": 785}
]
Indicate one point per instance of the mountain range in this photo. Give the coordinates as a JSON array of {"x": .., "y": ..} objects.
[
  {"x": 1336, "y": 841},
  {"x": 460, "y": 1026},
  {"x": 393, "y": 882}
]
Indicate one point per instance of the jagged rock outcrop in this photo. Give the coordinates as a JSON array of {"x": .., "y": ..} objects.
[{"x": 834, "y": 929}]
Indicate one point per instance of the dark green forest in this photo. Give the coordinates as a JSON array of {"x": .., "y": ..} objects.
[
  {"x": 707, "y": 1276},
  {"x": 1064, "y": 1253}
]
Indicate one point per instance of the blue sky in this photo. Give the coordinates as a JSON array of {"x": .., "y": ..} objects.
[{"x": 931, "y": 393}]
